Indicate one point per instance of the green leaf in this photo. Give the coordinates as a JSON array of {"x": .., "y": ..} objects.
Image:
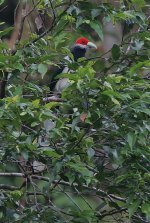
[
  {"x": 6, "y": 31},
  {"x": 95, "y": 13},
  {"x": 139, "y": 65},
  {"x": 115, "y": 101},
  {"x": 51, "y": 153},
  {"x": 3, "y": 45},
  {"x": 16, "y": 194},
  {"x": 34, "y": 124},
  {"x": 90, "y": 153},
  {"x": 108, "y": 85},
  {"x": 115, "y": 52},
  {"x": 137, "y": 45},
  {"x": 131, "y": 139},
  {"x": 36, "y": 103},
  {"x": 97, "y": 28},
  {"x": 133, "y": 207},
  {"x": 139, "y": 3},
  {"x": 146, "y": 209},
  {"x": 79, "y": 168},
  {"x": 146, "y": 111},
  {"x": 1, "y": 2},
  {"x": 81, "y": 21},
  {"x": 111, "y": 93},
  {"x": 23, "y": 113},
  {"x": 42, "y": 69},
  {"x": 51, "y": 104}
]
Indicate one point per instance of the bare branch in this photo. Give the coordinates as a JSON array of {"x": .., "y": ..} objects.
[
  {"x": 113, "y": 212},
  {"x": 8, "y": 187},
  {"x": 12, "y": 175},
  {"x": 52, "y": 99}
]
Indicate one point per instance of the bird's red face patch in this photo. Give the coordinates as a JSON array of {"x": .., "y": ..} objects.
[{"x": 82, "y": 41}]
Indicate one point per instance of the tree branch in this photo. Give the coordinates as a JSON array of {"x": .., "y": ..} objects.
[
  {"x": 47, "y": 179},
  {"x": 8, "y": 187},
  {"x": 113, "y": 212},
  {"x": 52, "y": 26},
  {"x": 52, "y": 99}
]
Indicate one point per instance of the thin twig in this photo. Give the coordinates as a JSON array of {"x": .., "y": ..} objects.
[
  {"x": 53, "y": 10},
  {"x": 4, "y": 8},
  {"x": 70, "y": 198},
  {"x": 80, "y": 194}
]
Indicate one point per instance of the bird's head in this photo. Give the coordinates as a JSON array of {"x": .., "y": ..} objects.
[
  {"x": 81, "y": 46},
  {"x": 85, "y": 43}
]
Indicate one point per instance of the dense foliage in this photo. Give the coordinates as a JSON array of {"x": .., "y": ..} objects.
[{"x": 93, "y": 165}]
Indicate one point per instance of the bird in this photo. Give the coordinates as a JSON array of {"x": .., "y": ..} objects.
[{"x": 78, "y": 50}]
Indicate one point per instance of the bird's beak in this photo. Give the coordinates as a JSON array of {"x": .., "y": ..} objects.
[{"x": 91, "y": 45}]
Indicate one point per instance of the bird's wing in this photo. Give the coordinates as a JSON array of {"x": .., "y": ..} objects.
[{"x": 55, "y": 84}]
